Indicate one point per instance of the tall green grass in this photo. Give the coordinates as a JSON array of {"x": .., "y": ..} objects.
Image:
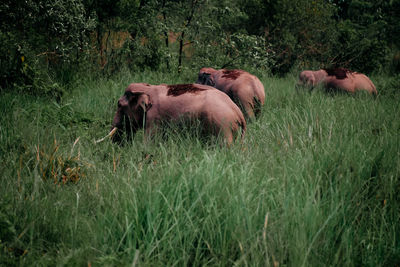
[{"x": 315, "y": 182}]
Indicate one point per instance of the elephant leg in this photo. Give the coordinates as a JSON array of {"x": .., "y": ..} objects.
[
  {"x": 244, "y": 99},
  {"x": 217, "y": 126},
  {"x": 232, "y": 129},
  {"x": 228, "y": 136},
  {"x": 150, "y": 131},
  {"x": 257, "y": 106},
  {"x": 248, "y": 108}
]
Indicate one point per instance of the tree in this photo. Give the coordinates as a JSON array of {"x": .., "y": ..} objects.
[
  {"x": 300, "y": 32},
  {"x": 362, "y": 35},
  {"x": 40, "y": 34}
]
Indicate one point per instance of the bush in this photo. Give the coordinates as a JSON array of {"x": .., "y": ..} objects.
[
  {"x": 238, "y": 50},
  {"x": 38, "y": 36}
]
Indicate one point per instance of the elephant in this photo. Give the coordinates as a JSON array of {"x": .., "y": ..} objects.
[
  {"x": 337, "y": 79},
  {"x": 311, "y": 78},
  {"x": 149, "y": 106},
  {"x": 245, "y": 89}
]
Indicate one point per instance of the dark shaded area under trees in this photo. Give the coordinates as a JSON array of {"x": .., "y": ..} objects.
[{"x": 45, "y": 43}]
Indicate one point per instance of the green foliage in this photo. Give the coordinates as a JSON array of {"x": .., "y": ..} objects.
[
  {"x": 367, "y": 34},
  {"x": 59, "y": 39},
  {"x": 302, "y": 32},
  {"x": 363, "y": 45},
  {"x": 38, "y": 82},
  {"x": 10, "y": 60},
  {"x": 236, "y": 51},
  {"x": 22, "y": 71},
  {"x": 39, "y": 37}
]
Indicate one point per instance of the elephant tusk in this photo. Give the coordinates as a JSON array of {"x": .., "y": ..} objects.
[{"x": 112, "y": 132}]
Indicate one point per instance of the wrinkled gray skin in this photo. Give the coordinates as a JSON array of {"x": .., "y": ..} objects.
[
  {"x": 148, "y": 106},
  {"x": 245, "y": 89},
  {"x": 343, "y": 81}
]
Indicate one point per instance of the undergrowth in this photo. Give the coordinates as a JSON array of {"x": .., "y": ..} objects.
[{"x": 315, "y": 182}]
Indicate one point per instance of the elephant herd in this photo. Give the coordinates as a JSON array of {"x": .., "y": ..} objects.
[{"x": 223, "y": 101}]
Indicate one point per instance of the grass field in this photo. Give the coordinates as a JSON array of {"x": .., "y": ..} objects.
[{"x": 316, "y": 182}]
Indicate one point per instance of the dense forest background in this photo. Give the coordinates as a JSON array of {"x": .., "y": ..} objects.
[{"x": 46, "y": 43}]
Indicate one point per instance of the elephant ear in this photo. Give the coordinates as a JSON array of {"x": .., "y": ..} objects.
[{"x": 144, "y": 102}]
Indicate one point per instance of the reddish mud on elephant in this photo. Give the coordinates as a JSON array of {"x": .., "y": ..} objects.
[{"x": 245, "y": 89}]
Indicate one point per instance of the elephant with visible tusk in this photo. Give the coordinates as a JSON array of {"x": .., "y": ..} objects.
[
  {"x": 338, "y": 79},
  {"x": 148, "y": 106},
  {"x": 245, "y": 89}
]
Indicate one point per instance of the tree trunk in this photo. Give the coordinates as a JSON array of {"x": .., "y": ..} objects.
[
  {"x": 165, "y": 34},
  {"x": 188, "y": 20},
  {"x": 180, "y": 52}
]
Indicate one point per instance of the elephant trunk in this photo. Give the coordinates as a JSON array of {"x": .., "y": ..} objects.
[
  {"x": 118, "y": 127},
  {"x": 123, "y": 123}
]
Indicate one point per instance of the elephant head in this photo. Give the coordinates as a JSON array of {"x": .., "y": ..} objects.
[
  {"x": 311, "y": 79},
  {"x": 206, "y": 79},
  {"x": 131, "y": 114},
  {"x": 307, "y": 79}
]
